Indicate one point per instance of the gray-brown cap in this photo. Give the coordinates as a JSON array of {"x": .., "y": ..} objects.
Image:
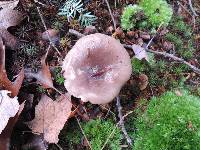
[{"x": 96, "y": 68}]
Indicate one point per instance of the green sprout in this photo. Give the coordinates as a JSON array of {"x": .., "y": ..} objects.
[{"x": 58, "y": 76}]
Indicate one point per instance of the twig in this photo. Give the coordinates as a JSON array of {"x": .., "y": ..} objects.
[
  {"x": 113, "y": 131},
  {"x": 153, "y": 36},
  {"x": 167, "y": 55},
  {"x": 76, "y": 33},
  {"x": 121, "y": 122},
  {"x": 83, "y": 133},
  {"x": 45, "y": 27},
  {"x": 192, "y": 9},
  {"x": 113, "y": 19}
]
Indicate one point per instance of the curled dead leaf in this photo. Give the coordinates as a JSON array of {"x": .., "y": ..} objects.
[
  {"x": 5, "y": 83},
  {"x": 50, "y": 117},
  {"x": 140, "y": 52},
  {"x": 8, "y": 18},
  {"x": 9, "y": 4},
  {"x": 43, "y": 76},
  {"x": 10, "y": 108}
]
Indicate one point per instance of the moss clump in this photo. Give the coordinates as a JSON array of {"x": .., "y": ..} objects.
[
  {"x": 129, "y": 19},
  {"x": 157, "y": 11},
  {"x": 98, "y": 131},
  {"x": 169, "y": 122}
]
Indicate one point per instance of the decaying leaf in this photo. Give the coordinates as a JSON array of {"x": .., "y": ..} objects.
[
  {"x": 6, "y": 133},
  {"x": 50, "y": 117},
  {"x": 36, "y": 142},
  {"x": 9, "y": 4},
  {"x": 43, "y": 76},
  {"x": 8, "y": 18},
  {"x": 140, "y": 52},
  {"x": 5, "y": 83},
  {"x": 8, "y": 108}
]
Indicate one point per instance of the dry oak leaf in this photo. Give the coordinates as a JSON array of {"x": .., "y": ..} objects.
[
  {"x": 7, "y": 132},
  {"x": 140, "y": 52},
  {"x": 8, "y": 18},
  {"x": 9, "y": 4},
  {"x": 50, "y": 117},
  {"x": 8, "y": 108},
  {"x": 5, "y": 83},
  {"x": 43, "y": 76}
]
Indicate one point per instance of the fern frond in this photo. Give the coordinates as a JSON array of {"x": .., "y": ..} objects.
[
  {"x": 87, "y": 19},
  {"x": 73, "y": 9}
]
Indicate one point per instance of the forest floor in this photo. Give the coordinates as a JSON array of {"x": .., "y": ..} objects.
[{"x": 181, "y": 39}]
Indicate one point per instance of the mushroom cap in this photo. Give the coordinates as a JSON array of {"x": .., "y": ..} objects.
[{"x": 96, "y": 68}]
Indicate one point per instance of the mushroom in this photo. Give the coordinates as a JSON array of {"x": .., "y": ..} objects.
[{"x": 96, "y": 68}]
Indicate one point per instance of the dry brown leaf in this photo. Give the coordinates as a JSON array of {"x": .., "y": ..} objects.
[
  {"x": 140, "y": 52},
  {"x": 43, "y": 76},
  {"x": 9, "y": 4},
  {"x": 8, "y": 18},
  {"x": 5, "y": 83},
  {"x": 8, "y": 108},
  {"x": 6, "y": 134},
  {"x": 50, "y": 117}
]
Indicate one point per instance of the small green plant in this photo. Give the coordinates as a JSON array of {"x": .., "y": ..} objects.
[
  {"x": 176, "y": 39},
  {"x": 128, "y": 18},
  {"x": 74, "y": 8},
  {"x": 40, "y": 89},
  {"x": 97, "y": 132},
  {"x": 158, "y": 12},
  {"x": 29, "y": 50},
  {"x": 179, "y": 26},
  {"x": 58, "y": 76},
  {"x": 170, "y": 122}
]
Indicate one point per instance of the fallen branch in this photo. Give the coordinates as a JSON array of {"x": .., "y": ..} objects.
[
  {"x": 192, "y": 9},
  {"x": 113, "y": 19},
  {"x": 76, "y": 33},
  {"x": 167, "y": 55},
  {"x": 121, "y": 122},
  {"x": 45, "y": 27}
]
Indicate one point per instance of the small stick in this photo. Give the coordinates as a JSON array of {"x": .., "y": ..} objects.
[
  {"x": 45, "y": 27},
  {"x": 114, "y": 23},
  {"x": 121, "y": 122},
  {"x": 83, "y": 133},
  {"x": 76, "y": 33},
  {"x": 167, "y": 55},
  {"x": 153, "y": 36},
  {"x": 107, "y": 140},
  {"x": 192, "y": 9}
]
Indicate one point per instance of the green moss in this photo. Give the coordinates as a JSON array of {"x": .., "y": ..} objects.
[
  {"x": 128, "y": 18},
  {"x": 58, "y": 76},
  {"x": 138, "y": 65},
  {"x": 170, "y": 122},
  {"x": 179, "y": 26},
  {"x": 157, "y": 11},
  {"x": 175, "y": 39},
  {"x": 70, "y": 136},
  {"x": 97, "y": 132}
]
